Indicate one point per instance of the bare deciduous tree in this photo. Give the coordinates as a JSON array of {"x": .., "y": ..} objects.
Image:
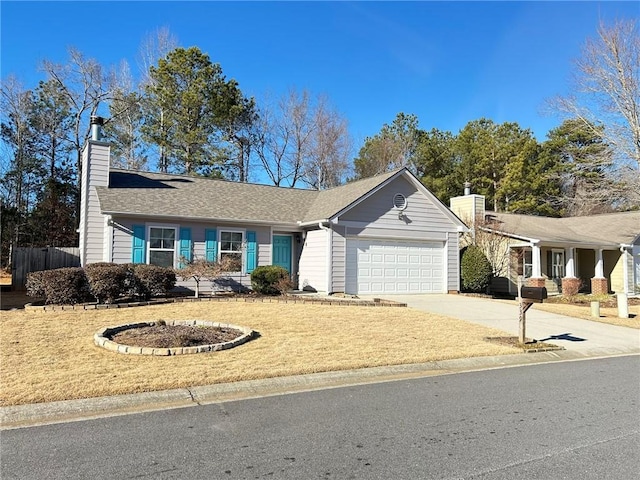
[
  {"x": 123, "y": 127},
  {"x": 330, "y": 148},
  {"x": 302, "y": 140},
  {"x": 86, "y": 86},
  {"x": 154, "y": 46},
  {"x": 199, "y": 269},
  {"x": 607, "y": 88},
  {"x": 284, "y": 136}
]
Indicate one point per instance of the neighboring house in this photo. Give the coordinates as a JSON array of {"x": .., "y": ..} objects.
[
  {"x": 386, "y": 234},
  {"x": 600, "y": 252}
]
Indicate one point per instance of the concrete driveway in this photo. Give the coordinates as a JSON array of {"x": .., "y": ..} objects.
[{"x": 584, "y": 336}]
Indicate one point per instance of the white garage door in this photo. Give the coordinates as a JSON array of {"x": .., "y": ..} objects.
[{"x": 388, "y": 266}]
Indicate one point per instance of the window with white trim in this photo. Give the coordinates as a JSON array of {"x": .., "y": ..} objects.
[
  {"x": 162, "y": 246},
  {"x": 528, "y": 263},
  {"x": 231, "y": 248}
]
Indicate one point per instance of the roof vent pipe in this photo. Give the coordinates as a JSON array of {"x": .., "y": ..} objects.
[
  {"x": 96, "y": 127},
  {"x": 467, "y": 188}
]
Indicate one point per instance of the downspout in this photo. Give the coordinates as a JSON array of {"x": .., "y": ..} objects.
[{"x": 322, "y": 226}]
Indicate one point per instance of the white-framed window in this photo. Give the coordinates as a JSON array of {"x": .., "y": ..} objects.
[
  {"x": 557, "y": 263},
  {"x": 528, "y": 263},
  {"x": 162, "y": 245},
  {"x": 231, "y": 246}
]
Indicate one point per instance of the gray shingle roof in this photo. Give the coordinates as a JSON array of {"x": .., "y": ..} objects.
[
  {"x": 604, "y": 229},
  {"x": 161, "y": 194}
]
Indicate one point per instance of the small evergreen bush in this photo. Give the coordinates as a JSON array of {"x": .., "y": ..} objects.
[
  {"x": 107, "y": 281},
  {"x": 66, "y": 286},
  {"x": 152, "y": 281},
  {"x": 35, "y": 284},
  {"x": 475, "y": 269},
  {"x": 267, "y": 279}
]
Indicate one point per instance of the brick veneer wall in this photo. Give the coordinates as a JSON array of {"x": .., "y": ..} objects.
[
  {"x": 536, "y": 282},
  {"x": 571, "y": 285},
  {"x": 599, "y": 286}
]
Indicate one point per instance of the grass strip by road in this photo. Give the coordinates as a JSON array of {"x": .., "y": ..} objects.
[
  {"x": 50, "y": 356},
  {"x": 607, "y": 315}
]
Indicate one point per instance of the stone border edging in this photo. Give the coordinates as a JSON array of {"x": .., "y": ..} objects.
[
  {"x": 101, "y": 340},
  {"x": 377, "y": 302}
]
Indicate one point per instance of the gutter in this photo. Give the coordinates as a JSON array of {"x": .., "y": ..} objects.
[
  {"x": 512, "y": 235},
  {"x": 313, "y": 223},
  {"x": 204, "y": 219}
]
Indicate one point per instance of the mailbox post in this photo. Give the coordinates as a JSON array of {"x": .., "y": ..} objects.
[{"x": 527, "y": 296}]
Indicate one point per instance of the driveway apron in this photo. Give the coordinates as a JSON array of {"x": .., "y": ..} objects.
[{"x": 584, "y": 336}]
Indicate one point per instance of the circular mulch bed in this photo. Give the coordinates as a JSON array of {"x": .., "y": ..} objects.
[{"x": 172, "y": 337}]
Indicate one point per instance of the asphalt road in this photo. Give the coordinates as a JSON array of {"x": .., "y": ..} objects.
[{"x": 569, "y": 420}]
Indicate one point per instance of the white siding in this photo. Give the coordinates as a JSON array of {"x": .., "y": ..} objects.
[
  {"x": 95, "y": 173},
  {"x": 422, "y": 222},
  {"x": 313, "y": 261},
  {"x": 453, "y": 263},
  {"x": 338, "y": 258},
  {"x": 422, "y": 219},
  {"x": 122, "y": 241}
]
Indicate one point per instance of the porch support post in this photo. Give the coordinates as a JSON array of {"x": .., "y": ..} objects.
[
  {"x": 570, "y": 284},
  {"x": 599, "y": 264},
  {"x": 571, "y": 270},
  {"x": 536, "y": 279},
  {"x": 599, "y": 284}
]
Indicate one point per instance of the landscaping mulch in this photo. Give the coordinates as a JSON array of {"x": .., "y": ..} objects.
[
  {"x": 529, "y": 346},
  {"x": 173, "y": 336}
]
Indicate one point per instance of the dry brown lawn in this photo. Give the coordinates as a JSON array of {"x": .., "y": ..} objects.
[
  {"x": 48, "y": 356},
  {"x": 607, "y": 315}
]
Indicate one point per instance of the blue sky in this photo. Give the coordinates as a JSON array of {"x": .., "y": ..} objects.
[{"x": 447, "y": 62}]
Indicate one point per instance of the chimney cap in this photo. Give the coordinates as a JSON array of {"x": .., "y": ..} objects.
[{"x": 97, "y": 120}]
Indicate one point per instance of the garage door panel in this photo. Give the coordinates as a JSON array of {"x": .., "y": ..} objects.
[{"x": 388, "y": 266}]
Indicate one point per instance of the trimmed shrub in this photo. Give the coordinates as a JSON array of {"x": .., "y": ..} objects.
[
  {"x": 66, "y": 286},
  {"x": 152, "y": 281},
  {"x": 475, "y": 270},
  {"x": 107, "y": 281},
  {"x": 35, "y": 284},
  {"x": 268, "y": 279}
]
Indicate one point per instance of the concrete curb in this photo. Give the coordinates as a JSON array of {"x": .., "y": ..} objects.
[{"x": 76, "y": 410}]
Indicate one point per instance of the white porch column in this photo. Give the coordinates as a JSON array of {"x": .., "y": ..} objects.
[
  {"x": 536, "y": 271},
  {"x": 571, "y": 269},
  {"x": 599, "y": 264}
]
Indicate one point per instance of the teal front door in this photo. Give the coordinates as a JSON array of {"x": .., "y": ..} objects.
[{"x": 282, "y": 251}]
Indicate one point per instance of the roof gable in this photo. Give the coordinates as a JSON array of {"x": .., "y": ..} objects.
[{"x": 410, "y": 182}]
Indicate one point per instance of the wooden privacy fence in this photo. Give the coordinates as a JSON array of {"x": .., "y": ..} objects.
[{"x": 25, "y": 260}]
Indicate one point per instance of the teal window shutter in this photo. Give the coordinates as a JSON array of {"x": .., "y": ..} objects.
[
  {"x": 252, "y": 250},
  {"x": 211, "y": 245},
  {"x": 138, "y": 245},
  {"x": 185, "y": 244}
]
